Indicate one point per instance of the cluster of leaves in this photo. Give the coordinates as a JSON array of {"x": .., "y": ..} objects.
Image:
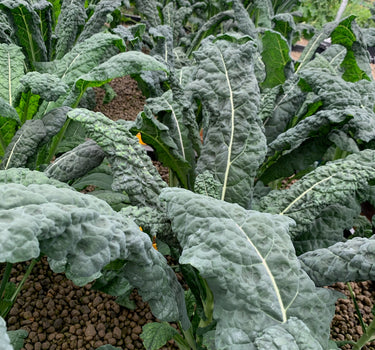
[{"x": 231, "y": 115}]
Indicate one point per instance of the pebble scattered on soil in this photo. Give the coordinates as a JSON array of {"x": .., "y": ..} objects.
[{"x": 59, "y": 315}]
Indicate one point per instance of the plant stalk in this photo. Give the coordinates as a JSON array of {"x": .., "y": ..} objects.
[
  {"x": 356, "y": 307},
  {"x": 189, "y": 337},
  {"x": 181, "y": 342},
  {"x": 56, "y": 141},
  {"x": 19, "y": 287},
  {"x": 5, "y": 279},
  {"x": 368, "y": 336}
]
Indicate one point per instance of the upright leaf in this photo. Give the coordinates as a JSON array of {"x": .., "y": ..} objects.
[
  {"x": 234, "y": 144},
  {"x": 275, "y": 55},
  {"x": 44, "y": 9},
  {"x": 314, "y": 43},
  {"x": 254, "y": 274},
  {"x": 96, "y": 22},
  {"x": 11, "y": 71},
  {"x": 174, "y": 112},
  {"x": 69, "y": 25},
  {"x": 27, "y": 29}
]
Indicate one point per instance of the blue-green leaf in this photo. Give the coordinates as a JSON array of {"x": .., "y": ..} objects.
[{"x": 253, "y": 272}]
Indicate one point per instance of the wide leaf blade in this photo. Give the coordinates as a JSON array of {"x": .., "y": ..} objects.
[
  {"x": 81, "y": 234},
  {"x": 276, "y": 58},
  {"x": 253, "y": 271}
]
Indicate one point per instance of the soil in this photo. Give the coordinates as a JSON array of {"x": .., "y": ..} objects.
[{"x": 59, "y": 315}]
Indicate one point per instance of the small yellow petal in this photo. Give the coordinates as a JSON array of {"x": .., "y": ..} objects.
[{"x": 140, "y": 139}]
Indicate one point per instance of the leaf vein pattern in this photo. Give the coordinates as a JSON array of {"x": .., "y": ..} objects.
[
  {"x": 178, "y": 128},
  {"x": 269, "y": 273},
  {"x": 226, "y": 174},
  {"x": 304, "y": 193}
]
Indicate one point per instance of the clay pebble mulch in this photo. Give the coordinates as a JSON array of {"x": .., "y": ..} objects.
[
  {"x": 345, "y": 324},
  {"x": 59, "y": 315}
]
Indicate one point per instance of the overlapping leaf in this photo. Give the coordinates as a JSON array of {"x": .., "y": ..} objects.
[
  {"x": 76, "y": 162},
  {"x": 27, "y": 28},
  {"x": 82, "y": 234},
  {"x": 133, "y": 171},
  {"x": 342, "y": 262},
  {"x": 253, "y": 271},
  {"x": 324, "y": 202}
]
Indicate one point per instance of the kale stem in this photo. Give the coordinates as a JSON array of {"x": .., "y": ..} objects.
[
  {"x": 56, "y": 141},
  {"x": 188, "y": 334},
  {"x": 208, "y": 306},
  {"x": 366, "y": 337},
  {"x": 19, "y": 287},
  {"x": 181, "y": 342},
  {"x": 5, "y": 279},
  {"x": 356, "y": 307}
]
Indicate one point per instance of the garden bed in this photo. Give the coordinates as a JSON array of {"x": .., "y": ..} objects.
[{"x": 59, "y": 315}]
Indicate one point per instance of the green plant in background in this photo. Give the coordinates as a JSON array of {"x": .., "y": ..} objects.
[{"x": 319, "y": 13}]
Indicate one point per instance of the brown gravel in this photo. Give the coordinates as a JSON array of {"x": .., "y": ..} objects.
[
  {"x": 59, "y": 315},
  {"x": 345, "y": 324}
]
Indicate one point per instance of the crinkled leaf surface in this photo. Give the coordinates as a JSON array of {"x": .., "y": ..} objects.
[
  {"x": 81, "y": 59},
  {"x": 249, "y": 263},
  {"x": 275, "y": 56},
  {"x": 234, "y": 144},
  {"x": 159, "y": 137},
  {"x": 133, "y": 171},
  {"x": 293, "y": 335},
  {"x": 77, "y": 162},
  {"x": 4, "y": 338},
  {"x": 352, "y": 260},
  {"x": 327, "y": 196},
  {"x": 282, "y": 105},
  {"x": 11, "y": 71},
  {"x": 27, "y": 28},
  {"x": 96, "y": 22},
  {"x": 70, "y": 23},
  {"x": 48, "y": 86},
  {"x": 125, "y": 63},
  {"x": 82, "y": 234},
  {"x": 24, "y": 144}
]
